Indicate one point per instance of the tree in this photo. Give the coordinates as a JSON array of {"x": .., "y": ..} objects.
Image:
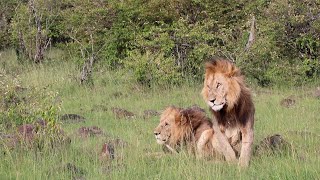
[{"x": 31, "y": 28}]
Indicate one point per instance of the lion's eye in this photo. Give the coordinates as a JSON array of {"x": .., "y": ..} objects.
[
  {"x": 166, "y": 124},
  {"x": 218, "y": 85}
]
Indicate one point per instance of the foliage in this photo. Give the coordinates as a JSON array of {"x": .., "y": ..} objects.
[
  {"x": 19, "y": 105},
  {"x": 149, "y": 68},
  {"x": 287, "y": 47},
  {"x": 185, "y": 32},
  {"x": 30, "y": 28},
  {"x": 6, "y": 13}
]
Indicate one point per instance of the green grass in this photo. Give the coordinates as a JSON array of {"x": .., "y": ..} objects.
[{"x": 136, "y": 161}]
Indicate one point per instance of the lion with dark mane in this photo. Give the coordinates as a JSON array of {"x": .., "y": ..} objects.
[
  {"x": 188, "y": 128},
  {"x": 231, "y": 104}
]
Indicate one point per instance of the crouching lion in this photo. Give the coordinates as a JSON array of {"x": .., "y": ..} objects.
[{"x": 189, "y": 128}]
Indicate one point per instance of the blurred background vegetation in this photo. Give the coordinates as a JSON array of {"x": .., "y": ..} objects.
[
  {"x": 88, "y": 57},
  {"x": 167, "y": 41}
]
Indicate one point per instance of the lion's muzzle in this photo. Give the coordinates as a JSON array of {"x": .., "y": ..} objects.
[
  {"x": 215, "y": 105},
  {"x": 160, "y": 140}
]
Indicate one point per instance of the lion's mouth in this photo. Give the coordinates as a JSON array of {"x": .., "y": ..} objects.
[
  {"x": 161, "y": 141},
  {"x": 216, "y": 107}
]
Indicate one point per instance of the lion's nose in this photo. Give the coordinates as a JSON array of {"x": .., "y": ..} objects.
[{"x": 156, "y": 133}]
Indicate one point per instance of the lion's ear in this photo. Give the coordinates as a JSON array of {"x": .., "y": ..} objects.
[
  {"x": 210, "y": 66},
  {"x": 234, "y": 71}
]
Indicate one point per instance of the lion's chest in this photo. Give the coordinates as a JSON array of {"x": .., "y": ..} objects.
[{"x": 227, "y": 119}]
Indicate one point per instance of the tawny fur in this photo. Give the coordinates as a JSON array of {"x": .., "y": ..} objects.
[
  {"x": 224, "y": 87},
  {"x": 187, "y": 127}
]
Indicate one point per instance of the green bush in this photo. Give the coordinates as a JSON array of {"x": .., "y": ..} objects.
[
  {"x": 184, "y": 32},
  {"x": 149, "y": 68},
  {"x": 19, "y": 105}
]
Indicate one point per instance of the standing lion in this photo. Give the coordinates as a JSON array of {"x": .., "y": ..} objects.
[{"x": 231, "y": 104}]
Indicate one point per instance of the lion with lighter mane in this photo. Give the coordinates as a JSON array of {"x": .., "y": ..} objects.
[
  {"x": 187, "y": 128},
  {"x": 231, "y": 104}
]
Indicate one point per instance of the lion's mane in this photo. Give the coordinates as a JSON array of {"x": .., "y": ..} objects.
[{"x": 187, "y": 125}]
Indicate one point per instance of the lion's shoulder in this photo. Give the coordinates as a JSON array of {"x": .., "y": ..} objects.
[{"x": 197, "y": 120}]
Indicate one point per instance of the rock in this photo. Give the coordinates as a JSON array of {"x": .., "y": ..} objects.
[
  {"x": 72, "y": 118},
  {"x": 288, "y": 102},
  {"x": 273, "y": 144},
  {"x": 122, "y": 113},
  {"x": 85, "y": 132}
]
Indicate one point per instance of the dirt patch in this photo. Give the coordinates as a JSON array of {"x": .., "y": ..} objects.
[
  {"x": 98, "y": 108},
  {"x": 150, "y": 113},
  {"x": 20, "y": 89},
  {"x": 122, "y": 113},
  {"x": 74, "y": 170},
  {"x": 263, "y": 92},
  {"x": 109, "y": 148},
  {"x": 316, "y": 93},
  {"x": 36, "y": 135},
  {"x": 303, "y": 133},
  {"x": 72, "y": 118},
  {"x": 118, "y": 95},
  {"x": 26, "y": 132},
  {"x": 107, "y": 152},
  {"x": 118, "y": 143},
  {"x": 92, "y": 131},
  {"x": 76, "y": 173},
  {"x": 288, "y": 102},
  {"x": 10, "y": 141}
]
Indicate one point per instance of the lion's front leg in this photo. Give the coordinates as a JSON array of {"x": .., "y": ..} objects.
[
  {"x": 246, "y": 147},
  {"x": 203, "y": 140},
  {"x": 222, "y": 145},
  {"x": 225, "y": 148}
]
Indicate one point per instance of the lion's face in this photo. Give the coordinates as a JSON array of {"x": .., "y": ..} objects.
[
  {"x": 163, "y": 131},
  {"x": 221, "y": 89},
  {"x": 217, "y": 89}
]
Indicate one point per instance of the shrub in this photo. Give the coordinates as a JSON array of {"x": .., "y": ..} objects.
[{"x": 149, "y": 68}]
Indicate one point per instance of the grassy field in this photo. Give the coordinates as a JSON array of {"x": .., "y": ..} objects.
[{"x": 299, "y": 125}]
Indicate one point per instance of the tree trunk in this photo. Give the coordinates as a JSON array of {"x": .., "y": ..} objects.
[
  {"x": 40, "y": 45},
  {"x": 252, "y": 34},
  {"x": 87, "y": 69}
]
